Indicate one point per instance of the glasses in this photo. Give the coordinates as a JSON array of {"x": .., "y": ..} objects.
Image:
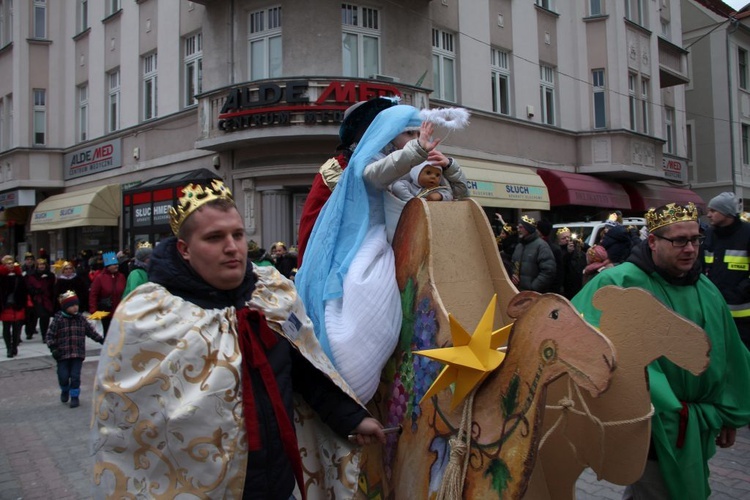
[{"x": 682, "y": 241}]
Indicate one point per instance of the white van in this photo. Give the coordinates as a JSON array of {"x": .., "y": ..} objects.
[{"x": 589, "y": 231}]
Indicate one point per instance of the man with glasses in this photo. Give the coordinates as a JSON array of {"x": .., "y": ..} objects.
[
  {"x": 692, "y": 415},
  {"x": 726, "y": 259}
]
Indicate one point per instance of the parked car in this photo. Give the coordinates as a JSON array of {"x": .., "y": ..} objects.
[{"x": 588, "y": 231}]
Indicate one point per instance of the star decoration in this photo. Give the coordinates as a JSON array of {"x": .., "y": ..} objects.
[
  {"x": 471, "y": 358},
  {"x": 98, "y": 315}
]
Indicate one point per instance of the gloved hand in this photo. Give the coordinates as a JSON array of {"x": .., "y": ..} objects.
[{"x": 55, "y": 353}]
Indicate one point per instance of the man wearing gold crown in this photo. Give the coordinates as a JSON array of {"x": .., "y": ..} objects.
[
  {"x": 139, "y": 274},
  {"x": 692, "y": 414},
  {"x": 194, "y": 389}
]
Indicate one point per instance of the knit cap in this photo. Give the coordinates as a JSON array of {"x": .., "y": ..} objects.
[
  {"x": 68, "y": 299},
  {"x": 725, "y": 203}
]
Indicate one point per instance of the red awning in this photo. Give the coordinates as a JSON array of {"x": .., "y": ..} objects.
[
  {"x": 644, "y": 196},
  {"x": 566, "y": 188}
]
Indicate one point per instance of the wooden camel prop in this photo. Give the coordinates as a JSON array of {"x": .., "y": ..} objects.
[
  {"x": 617, "y": 425},
  {"x": 447, "y": 260}
]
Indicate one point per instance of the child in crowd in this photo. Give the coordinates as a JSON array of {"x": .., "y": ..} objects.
[
  {"x": 66, "y": 339},
  {"x": 432, "y": 182}
]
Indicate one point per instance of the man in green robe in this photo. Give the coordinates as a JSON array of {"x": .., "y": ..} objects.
[{"x": 693, "y": 414}]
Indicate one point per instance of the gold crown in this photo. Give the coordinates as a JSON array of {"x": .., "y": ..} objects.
[
  {"x": 670, "y": 214},
  {"x": 508, "y": 228},
  {"x": 562, "y": 230},
  {"x": 143, "y": 244},
  {"x": 67, "y": 295},
  {"x": 193, "y": 197},
  {"x": 528, "y": 220},
  {"x": 279, "y": 244}
]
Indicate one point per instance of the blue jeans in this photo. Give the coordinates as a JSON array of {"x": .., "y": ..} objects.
[{"x": 69, "y": 375}]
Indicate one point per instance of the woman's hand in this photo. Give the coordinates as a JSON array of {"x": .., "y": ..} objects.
[
  {"x": 425, "y": 137},
  {"x": 437, "y": 158}
]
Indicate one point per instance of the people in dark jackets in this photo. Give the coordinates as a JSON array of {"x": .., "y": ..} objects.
[
  {"x": 534, "y": 265},
  {"x": 106, "y": 289},
  {"x": 40, "y": 285},
  {"x": 13, "y": 299},
  {"x": 726, "y": 258}
]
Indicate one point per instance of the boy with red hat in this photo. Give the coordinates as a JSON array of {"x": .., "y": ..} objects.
[{"x": 66, "y": 339}]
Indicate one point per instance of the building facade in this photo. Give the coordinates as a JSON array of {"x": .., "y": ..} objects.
[
  {"x": 718, "y": 98},
  {"x": 577, "y": 107}
]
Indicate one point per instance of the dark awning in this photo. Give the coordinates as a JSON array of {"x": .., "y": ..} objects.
[
  {"x": 646, "y": 195},
  {"x": 567, "y": 188}
]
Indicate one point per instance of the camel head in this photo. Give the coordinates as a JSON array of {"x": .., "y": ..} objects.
[{"x": 556, "y": 336}]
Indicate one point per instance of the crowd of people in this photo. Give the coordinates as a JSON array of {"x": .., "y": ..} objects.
[
  {"x": 231, "y": 331},
  {"x": 30, "y": 292}
]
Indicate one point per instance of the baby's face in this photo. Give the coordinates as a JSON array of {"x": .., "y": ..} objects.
[{"x": 430, "y": 176}]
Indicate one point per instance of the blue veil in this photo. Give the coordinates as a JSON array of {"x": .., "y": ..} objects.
[{"x": 345, "y": 219}]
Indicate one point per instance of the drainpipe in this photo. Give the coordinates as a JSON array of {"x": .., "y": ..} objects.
[
  {"x": 231, "y": 43},
  {"x": 730, "y": 87}
]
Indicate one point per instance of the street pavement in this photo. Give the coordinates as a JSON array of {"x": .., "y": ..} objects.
[{"x": 44, "y": 444}]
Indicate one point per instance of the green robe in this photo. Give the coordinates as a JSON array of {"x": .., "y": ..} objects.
[
  {"x": 136, "y": 278},
  {"x": 717, "y": 398}
]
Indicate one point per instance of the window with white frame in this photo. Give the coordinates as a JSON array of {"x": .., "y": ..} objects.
[
  {"x": 632, "y": 102},
  {"x": 745, "y": 144},
  {"x": 113, "y": 6},
  {"x": 547, "y": 93},
  {"x": 742, "y": 67},
  {"x": 666, "y": 30},
  {"x": 193, "y": 68},
  {"x": 669, "y": 129},
  {"x": 545, "y": 4},
  {"x": 6, "y": 22},
  {"x": 83, "y": 112},
  {"x": 596, "y": 8},
  {"x": 150, "y": 98},
  {"x": 645, "y": 105},
  {"x": 634, "y": 11},
  {"x": 500, "y": 70},
  {"x": 113, "y": 101},
  {"x": 443, "y": 65},
  {"x": 600, "y": 110},
  {"x": 40, "y": 19},
  {"x": 360, "y": 40},
  {"x": 83, "y": 15},
  {"x": 40, "y": 116},
  {"x": 264, "y": 43}
]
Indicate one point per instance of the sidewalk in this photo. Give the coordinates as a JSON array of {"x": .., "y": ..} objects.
[{"x": 45, "y": 450}]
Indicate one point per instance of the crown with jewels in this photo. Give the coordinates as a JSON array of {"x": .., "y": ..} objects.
[
  {"x": 562, "y": 230},
  {"x": 143, "y": 244},
  {"x": 193, "y": 197},
  {"x": 528, "y": 220},
  {"x": 670, "y": 214}
]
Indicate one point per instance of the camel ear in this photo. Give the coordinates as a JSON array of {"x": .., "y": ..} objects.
[{"x": 521, "y": 302}]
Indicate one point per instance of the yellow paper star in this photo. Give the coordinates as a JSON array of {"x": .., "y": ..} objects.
[
  {"x": 99, "y": 315},
  {"x": 471, "y": 358}
]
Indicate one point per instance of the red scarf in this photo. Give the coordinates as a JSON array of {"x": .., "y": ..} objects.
[{"x": 254, "y": 346}]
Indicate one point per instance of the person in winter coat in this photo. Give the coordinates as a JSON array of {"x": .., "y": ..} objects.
[
  {"x": 618, "y": 243},
  {"x": 106, "y": 289},
  {"x": 139, "y": 273},
  {"x": 70, "y": 279},
  {"x": 534, "y": 264},
  {"x": 726, "y": 257},
  {"x": 66, "y": 340},
  {"x": 13, "y": 299},
  {"x": 210, "y": 325},
  {"x": 596, "y": 262},
  {"x": 573, "y": 262},
  {"x": 40, "y": 284}
]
